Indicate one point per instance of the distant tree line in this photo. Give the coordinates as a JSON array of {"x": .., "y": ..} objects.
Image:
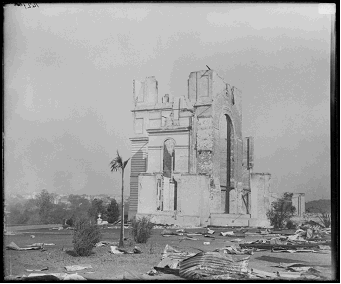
[
  {"x": 318, "y": 206},
  {"x": 42, "y": 210}
]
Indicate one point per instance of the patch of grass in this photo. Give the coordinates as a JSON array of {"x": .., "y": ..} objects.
[
  {"x": 85, "y": 236},
  {"x": 141, "y": 229}
]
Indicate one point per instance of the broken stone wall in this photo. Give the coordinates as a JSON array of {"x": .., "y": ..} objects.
[
  {"x": 225, "y": 103},
  {"x": 147, "y": 197},
  {"x": 298, "y": 200},
  {"x": 260, "y": 196},
  {"x": 192, "y": 199}
]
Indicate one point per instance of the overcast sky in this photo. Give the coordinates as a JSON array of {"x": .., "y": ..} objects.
[{"x": 68, "y": 86}]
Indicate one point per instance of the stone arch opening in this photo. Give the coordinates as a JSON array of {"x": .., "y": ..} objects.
[{"x": 226, "y": 156}]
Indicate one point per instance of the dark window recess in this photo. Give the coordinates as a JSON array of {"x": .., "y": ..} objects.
[{"x": 232, "y": 96}]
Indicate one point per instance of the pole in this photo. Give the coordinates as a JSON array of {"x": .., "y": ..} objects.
[{"x": 121, "y": 244}]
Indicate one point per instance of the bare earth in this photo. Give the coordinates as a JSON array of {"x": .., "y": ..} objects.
[{"x": 107, "y": 266}]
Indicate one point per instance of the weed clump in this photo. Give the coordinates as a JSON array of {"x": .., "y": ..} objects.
[
  {"x": 85, "y": 236},
  {"x": 141, "y": 229},
  {"x": 325, "y": 219}
]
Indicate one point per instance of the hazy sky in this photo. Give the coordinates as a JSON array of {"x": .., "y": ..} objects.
[{"x": 68, "y": 86}]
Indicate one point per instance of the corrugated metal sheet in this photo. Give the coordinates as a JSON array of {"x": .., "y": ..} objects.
[
  {"x": 138, "y": 165},
  {"x": 206, "y": 265}
]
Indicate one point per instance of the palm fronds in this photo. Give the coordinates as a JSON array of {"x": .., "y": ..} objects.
[{"x": 117, "y": 163}]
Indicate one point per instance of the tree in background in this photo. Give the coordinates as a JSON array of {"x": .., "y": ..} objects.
[
  {"x": 45, "y": 205},
  {"x": 79, "y": 207},
  {"x": 117, "y": 164},
  {"x": 58, "y": 214},
  {"x": 281, "y": 211},
  {"x": 113, "y": 211},
  {"x": 96, "y": 208},
  {"x": 25, "y": 212}
]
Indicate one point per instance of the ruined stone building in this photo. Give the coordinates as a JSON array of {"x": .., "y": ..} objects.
[{"x": 190, "y": 163}]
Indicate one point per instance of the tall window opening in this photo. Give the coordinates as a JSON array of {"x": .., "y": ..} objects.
[
  {"x": 168, "y": 158},
  {"x": 169, "y": 185}
]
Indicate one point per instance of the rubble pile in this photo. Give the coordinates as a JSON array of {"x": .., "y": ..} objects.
[{"x": 308, "y": 239}]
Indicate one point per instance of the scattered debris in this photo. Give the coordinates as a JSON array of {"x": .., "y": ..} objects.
[
  {"x": 262, "y": 274},
  {"x": 57, "y": 228},
  {"x": 167, "y": 233},
  {"x": 32, "y": 236},
  {"x": 37, "y": 269},
  {"x": 278, "y": 246},
  {"x": 137, "y": 250},
  {"x": 291, "y": 250},
  {"x": 152, "y": 272},
  {"x": 77, "y": 267},
  {"x": 115, "y": 250},
  {"x": 188, "y": 238},
  {"x": 236, "y": 250},
  {"x": 231, "y": 233},
  {"x": 236, "y": 240},
  {"x": 41, "y": 245},
  {"x": 53, "y": 277},
  {"x": 105, "y": 243},
  {"x": 13, "y": 246},
  {"x": 194, "y": 234},
  {"x": 324, "y": 247},
  {"x": 206, "y": 243},
  {"x": 209, "y": 231},
  {"x": 288, "y": 275},
  {"x": 170, "y": 260},
  {"x": 209, "y": 236}
]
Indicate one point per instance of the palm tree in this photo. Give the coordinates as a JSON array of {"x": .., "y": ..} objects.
[{"x": 116, "y": 165}]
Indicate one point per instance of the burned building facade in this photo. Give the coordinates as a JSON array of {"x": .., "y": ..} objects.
[{"x": 190, "y": 163}]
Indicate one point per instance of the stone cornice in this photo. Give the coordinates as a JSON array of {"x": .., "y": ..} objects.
[
  {"x": 142, "y": 138},
  {"x": 155, "y": 131},
  {"x": 152, "y": 108}
]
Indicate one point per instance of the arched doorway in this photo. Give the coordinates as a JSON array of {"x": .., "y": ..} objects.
[{"x": 226, "y": 146}]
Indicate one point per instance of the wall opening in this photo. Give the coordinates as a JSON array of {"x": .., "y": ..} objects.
[
  {"x": 167, "y": 191},
  {"x": 168, "y": 158},
  {"x": 226, "y": 147}
]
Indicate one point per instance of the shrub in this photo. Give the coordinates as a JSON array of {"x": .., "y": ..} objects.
[
  {"x": 69, "y": 222},
  {"x": 85, "y": 236},
  {"x": 281, "y": 211},
  {"x": 290, "y": 225},
  {"x": 141, "y": 229}
]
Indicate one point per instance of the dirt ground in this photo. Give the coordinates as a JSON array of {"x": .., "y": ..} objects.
[{"x": 107, "y": 266}]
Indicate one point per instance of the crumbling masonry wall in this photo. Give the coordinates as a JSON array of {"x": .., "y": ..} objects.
[{"x": 209, "y": 149}]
